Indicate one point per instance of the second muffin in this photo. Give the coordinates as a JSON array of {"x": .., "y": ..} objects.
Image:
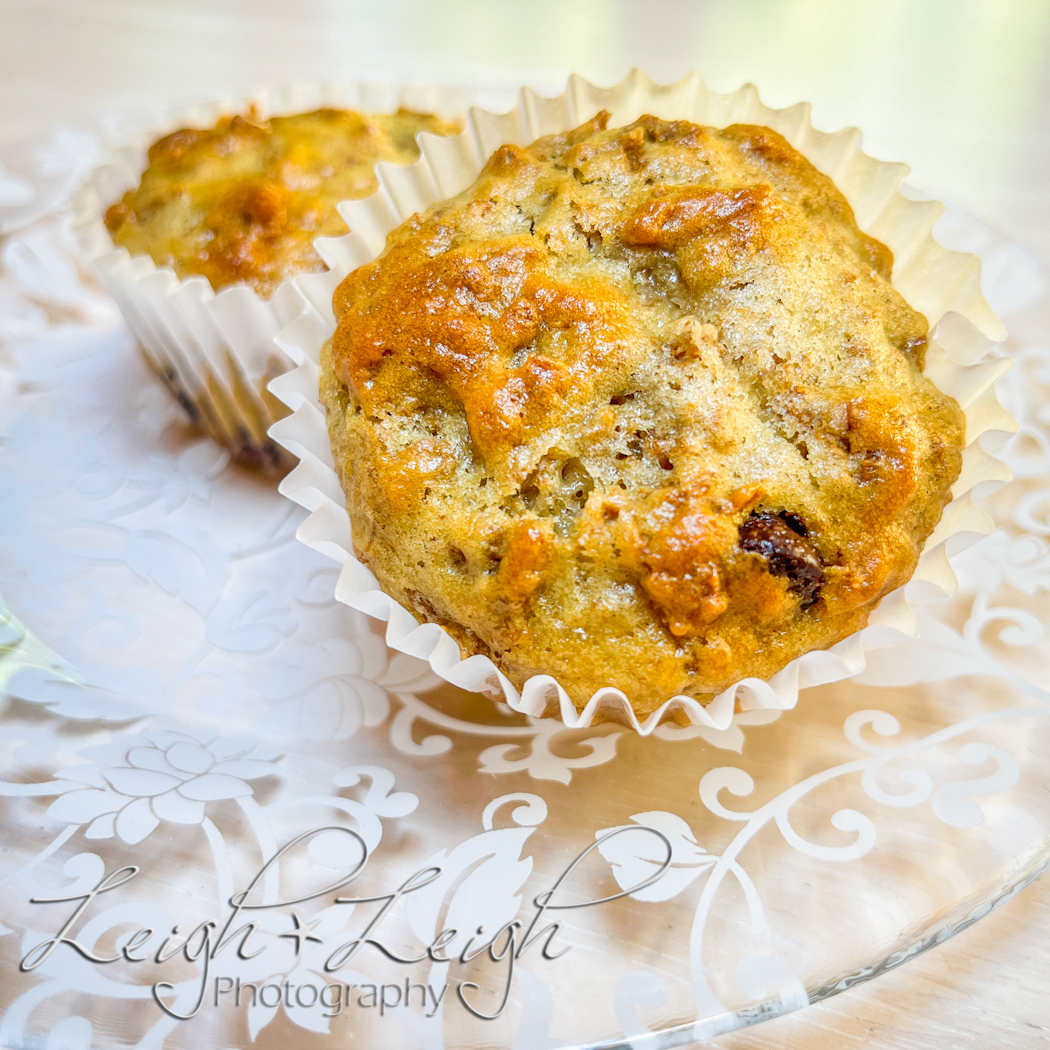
[
  {"x": 244, "y": 200},
  {"x": 200, "y": 244}
]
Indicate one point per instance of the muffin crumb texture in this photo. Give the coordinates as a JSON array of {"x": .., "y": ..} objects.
[
  {"x": 640, "y": 408},
  {"x": 244, "y": 200}
]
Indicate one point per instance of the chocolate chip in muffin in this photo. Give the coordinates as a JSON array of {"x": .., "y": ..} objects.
[{"x": 781, "y": 541}]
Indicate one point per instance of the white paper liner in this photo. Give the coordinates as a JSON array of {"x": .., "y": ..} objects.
[
  {"x": 215, "y": 350},
  {"x": 944, "y": 285}
]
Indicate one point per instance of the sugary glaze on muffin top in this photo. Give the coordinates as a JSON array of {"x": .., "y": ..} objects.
[
  {"x": 639, "y": 408},
  {"x": 244, "y": 200}
]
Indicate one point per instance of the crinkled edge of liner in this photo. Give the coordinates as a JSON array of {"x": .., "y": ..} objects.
[
  {"x": 945, "y": 285},
  {"x": 214, "y": 348}
]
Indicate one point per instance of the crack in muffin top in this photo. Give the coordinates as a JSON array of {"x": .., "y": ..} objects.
[{"x": 639, "y": 408}]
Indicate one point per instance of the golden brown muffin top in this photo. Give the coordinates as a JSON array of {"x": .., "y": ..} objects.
[
  {"x": 244, "y": 200},
  {"x": 640, "y": 408}
]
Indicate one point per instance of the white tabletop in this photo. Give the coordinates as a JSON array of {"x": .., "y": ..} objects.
[{"x": 959, "y": 89}]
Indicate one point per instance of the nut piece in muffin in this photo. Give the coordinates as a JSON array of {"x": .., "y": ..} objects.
[
  {"x": 244, "y": 200},
  {"x": 639, "y": 408}
]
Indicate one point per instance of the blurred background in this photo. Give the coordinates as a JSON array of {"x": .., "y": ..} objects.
[{"x": 959, "y": 89}]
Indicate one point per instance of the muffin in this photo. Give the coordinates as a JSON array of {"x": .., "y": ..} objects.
[
  {"x": 640, "y": 408},
  {"x": 243, "y": 201},
  {"x": 198, "y": 235}
]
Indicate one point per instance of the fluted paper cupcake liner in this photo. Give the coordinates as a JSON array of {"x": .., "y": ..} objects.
[
  {"x": 215, "y": 351},
  {"x": 944, "y": 285}
]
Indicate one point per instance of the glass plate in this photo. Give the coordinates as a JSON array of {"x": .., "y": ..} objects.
[
  {"x": 37, "y": 175},
  {"x": 195, "y": 738}
]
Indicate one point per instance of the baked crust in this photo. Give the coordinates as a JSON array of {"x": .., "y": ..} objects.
[
  {"x": 244, "y": 200},
  {"x": 639, "y": 408}
]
